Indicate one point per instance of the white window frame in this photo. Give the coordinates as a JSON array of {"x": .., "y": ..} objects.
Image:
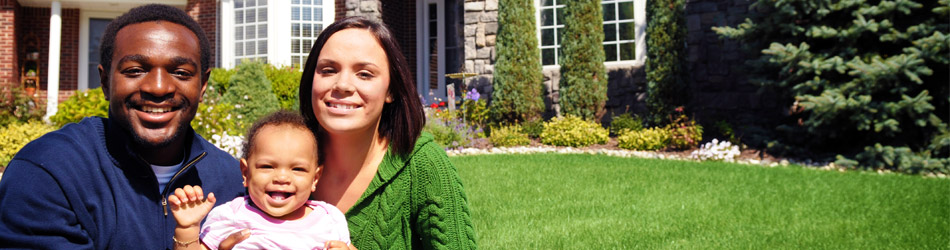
[
  {"x": 82, "y": 81},
  {"x": 639, "y": 19},
  {"x": 278, "y": 31}
]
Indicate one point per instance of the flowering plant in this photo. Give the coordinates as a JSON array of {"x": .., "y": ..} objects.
[
  {"x": 685, "y": 133},
  {"x": 474, "y": 109},
  {"x": 716, "y": 151}
]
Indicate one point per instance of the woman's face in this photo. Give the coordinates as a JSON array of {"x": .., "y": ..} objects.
[{"x": 351, "y": 83}]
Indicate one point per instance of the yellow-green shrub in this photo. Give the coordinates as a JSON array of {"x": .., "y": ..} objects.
[
  {"x": 16, "y": 135},
  {"x": 506, "y": 136},
  {"x": 573, "y": 131},
  {"x": 646, "y": 139},
  {"x": 81, "y": 105}
]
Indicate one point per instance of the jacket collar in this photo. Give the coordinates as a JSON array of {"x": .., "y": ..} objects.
[{"x": 119, "y": 143}]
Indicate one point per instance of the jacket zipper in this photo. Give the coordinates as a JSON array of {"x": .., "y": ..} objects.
[{"x": 174, "y": 178}]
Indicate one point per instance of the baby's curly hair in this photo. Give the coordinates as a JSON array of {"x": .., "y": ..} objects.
[
  {"x": 279, "y": 118},
  {"x": 152, "y": 12}
]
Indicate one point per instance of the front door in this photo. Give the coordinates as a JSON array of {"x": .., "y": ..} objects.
[{"x": 440, "y": 50}]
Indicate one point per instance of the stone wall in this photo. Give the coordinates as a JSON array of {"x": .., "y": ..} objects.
[
  {"x": 481, "y": 30},
  {"x": 365, "y": 8}
]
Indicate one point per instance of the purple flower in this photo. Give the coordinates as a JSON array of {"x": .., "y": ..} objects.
[{"x": 473, "y": 95}]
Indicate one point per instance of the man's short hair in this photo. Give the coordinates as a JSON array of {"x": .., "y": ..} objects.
[{"x": 152, "y": 12}]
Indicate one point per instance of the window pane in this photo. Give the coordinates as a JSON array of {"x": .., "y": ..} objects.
[
  {"x": 238, "y": 4},
  {"x": 262, "y": 15},
  {"x": 239, "y": 33},
  {"x": 547, "y": 37},
  {"x": 295, "y": 60},
  {"x": 238, "y": 17},
  {"x": 249, "y": 3},
  {"x": 249, "y": 48},
  {"x": 627, "y": 31},
  {"x": 306, "y": 30},
  {"x": 307, "y": 43},
  {"x": 295, "y": 13},
  {"x": 610, "y": 50},
  {"x": 610, "y": 32},
  {"x": 316, "y": 29},
  {"x": 295, "y": 46},
  {"x": 239, "y": 49},
  {"x": 261, "y": 2},
  {"x": 250, "y": 32},
  {"x": 262, "y": 47},
  {"x": 318, "y": 2},
  {"x": 433, "y": 30},
  {"x": 560, "y": 16},
  {"x": 317, "y": 14},
  {"x": 295, "y": 30},
  {"x": 547, "y": 57},
  {"x": 262, "y": 31},
  {"x": 249, "y": 16},
  {"x": 628, "y": 51},
  {"x": 626, "y": 10},
  {"x": 306, "y": 2},
  {"x": 547, "y": 2},
  {"x": 609, "y": 12},
  {"x": 306, "y": 14},
  {"x": 547, "y": 17},
  {"x": 560, "y": 33},
  {"x": 295, "y": 1}
]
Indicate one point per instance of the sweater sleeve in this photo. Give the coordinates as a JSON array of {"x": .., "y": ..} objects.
[
  {"x": 444, "y": 220},
  {"x": 35, "y": 213}
]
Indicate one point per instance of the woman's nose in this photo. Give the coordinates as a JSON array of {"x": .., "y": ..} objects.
[{"x": 344, "y": 83}]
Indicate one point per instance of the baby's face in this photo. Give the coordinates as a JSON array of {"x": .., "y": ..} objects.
[{"x": 281, "y": 171}]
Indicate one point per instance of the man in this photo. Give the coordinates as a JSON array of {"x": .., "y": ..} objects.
[{"x": 103, "y": 183}]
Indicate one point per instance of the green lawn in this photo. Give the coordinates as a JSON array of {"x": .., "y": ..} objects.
[{"x": 550, "y": 201}]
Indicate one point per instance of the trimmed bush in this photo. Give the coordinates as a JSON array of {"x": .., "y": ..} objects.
[
  {"x": 866, "y": 80},
  {"x": 251, "y": 94},
  {"x": 83, "y": 104},
  {"x": 220, "y": 80},
  {"x": 14, "y": 136},
  {"x": 667, "y": 87},
  {"x": 574, "y": 132},
  {"x": 583, "y": 75},
  {"x": 517, "y": 80},
  {"x": 625, "y": 121},
  {"x": 285, "y": 82},
  {"x": 507, "y": 136},
  {"x": 533, "y": 128},
  {"x": 647, "y": 139}
]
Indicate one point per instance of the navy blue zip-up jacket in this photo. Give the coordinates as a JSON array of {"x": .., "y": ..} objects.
[{"x": 82, "y": 187}]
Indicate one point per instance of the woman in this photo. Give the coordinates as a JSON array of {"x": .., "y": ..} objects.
[{"x": 397, "y": 188}]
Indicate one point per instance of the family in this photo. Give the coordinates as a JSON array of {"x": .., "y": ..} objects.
[{"x": 351, "y": 170}]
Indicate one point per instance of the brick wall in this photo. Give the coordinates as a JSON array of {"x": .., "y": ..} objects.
[
  {"x": 401, "y": 19},
  {"x": 9, "y": 75},
  {"x": 206, "y": 13},
  {"x": 33, "y": 26}
]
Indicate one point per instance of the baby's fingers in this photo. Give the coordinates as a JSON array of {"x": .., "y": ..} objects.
[
  {"x": 173, "y": 199},
  {"x": 211, "y": 198},
  {"x": 190, "y": 192}
]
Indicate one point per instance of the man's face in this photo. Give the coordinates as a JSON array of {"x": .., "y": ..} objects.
[{"x": 154, "y": 84}]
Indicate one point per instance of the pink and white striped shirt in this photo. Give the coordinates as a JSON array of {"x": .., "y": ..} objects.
[{"x": 324, "y": 223}]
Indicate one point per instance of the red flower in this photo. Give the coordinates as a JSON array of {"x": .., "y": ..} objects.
[
  {"x": 679, "y": 109},
  {"x": 434, "y": 105},
  {"x": 441, "y": 104}
]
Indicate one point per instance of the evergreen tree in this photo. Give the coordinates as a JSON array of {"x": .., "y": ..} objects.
[
  {"x": 251, "y": 94},
  {"x": 864, "y": 79},
  {"x": 583, "y": 91},
  {"x": 517, "y": 81},
  {"x": 665, "y": 63}
]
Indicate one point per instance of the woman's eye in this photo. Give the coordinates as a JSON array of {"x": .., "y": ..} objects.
[
  {"x": 365, "y": 75},
  {"x": 327, "y": 71}
]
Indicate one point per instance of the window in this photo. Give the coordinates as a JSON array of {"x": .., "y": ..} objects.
[
  {"x": 250, "y": 30},
  {"x": 306, "y": 22},
  {"x": 620, "y": 27}
]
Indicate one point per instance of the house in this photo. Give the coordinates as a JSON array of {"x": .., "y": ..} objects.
[{"x": 60, "y": 39}]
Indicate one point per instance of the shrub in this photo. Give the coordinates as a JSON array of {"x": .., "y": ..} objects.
[
  {"x": 533, "y": 128},
  {"x": 646, "y": 139},
  {"x": 14, "y": 136},
  {"x": 517, "y": 81},
  {"x": 684, "y": 132},
  {"x": 583, "y": 74},
  {"x": 716, "y": 151},
  {"x": 506, "y": 136},
  {"x": 17, "y": 107},
  {"x": 251, "y": 94},
  {"x": 220, "y": 80},
  {"x": 625, "y": 122},
  {"x": 574, "y": 132},
  {"x": 285, "y": 82},
  {"x": 83, "y": 104},
  {"x": 449, "y": 130},
  {"x": 474, "y": 109},
  {"x": 665, "y": 60},
  {"x": 863, "y": 79}
]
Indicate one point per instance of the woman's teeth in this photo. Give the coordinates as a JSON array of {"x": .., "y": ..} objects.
[{"x": 343, "y": 106}]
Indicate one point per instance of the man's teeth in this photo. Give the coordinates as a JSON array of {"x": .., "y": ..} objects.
[
  {"x": 156, "y": 109},
  {"x": 343, "y": 106}
]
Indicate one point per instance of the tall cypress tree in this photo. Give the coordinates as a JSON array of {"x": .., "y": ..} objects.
[
  {"x": 583, "y": 75},
  {"x": 866, "y": 80},
  {"x": 517, "y": 80},
  {"x": 665, "y": 63}
]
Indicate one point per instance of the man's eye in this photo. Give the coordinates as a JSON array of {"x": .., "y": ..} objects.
[
  {"x": 183, "y": 73},
  {"x": 133, "y": 71}
]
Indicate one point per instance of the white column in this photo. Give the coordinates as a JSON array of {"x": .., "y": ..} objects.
[{"x": 55, "y": 41}]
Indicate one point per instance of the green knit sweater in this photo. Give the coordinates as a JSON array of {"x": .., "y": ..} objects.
[{"x": 416, "y": 202}]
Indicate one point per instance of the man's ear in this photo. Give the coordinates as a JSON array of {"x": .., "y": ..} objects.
[
  {"x": 244, "y": 171},
  {"x": 204, "y": 83},
  {"x": 104, "y": 81}
]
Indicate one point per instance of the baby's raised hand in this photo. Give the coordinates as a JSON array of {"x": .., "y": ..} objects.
[{"x": 189, "y": 205}]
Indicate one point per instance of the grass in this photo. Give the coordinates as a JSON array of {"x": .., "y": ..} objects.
[{"x": 551, "y": 201}]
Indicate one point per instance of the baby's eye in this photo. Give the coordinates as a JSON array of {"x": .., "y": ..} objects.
[
  {"x": 299, "y": 169},
  {"x": 265, "y": 167}
]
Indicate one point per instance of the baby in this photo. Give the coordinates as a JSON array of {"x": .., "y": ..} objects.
[{"x": 280, "y": 171}]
